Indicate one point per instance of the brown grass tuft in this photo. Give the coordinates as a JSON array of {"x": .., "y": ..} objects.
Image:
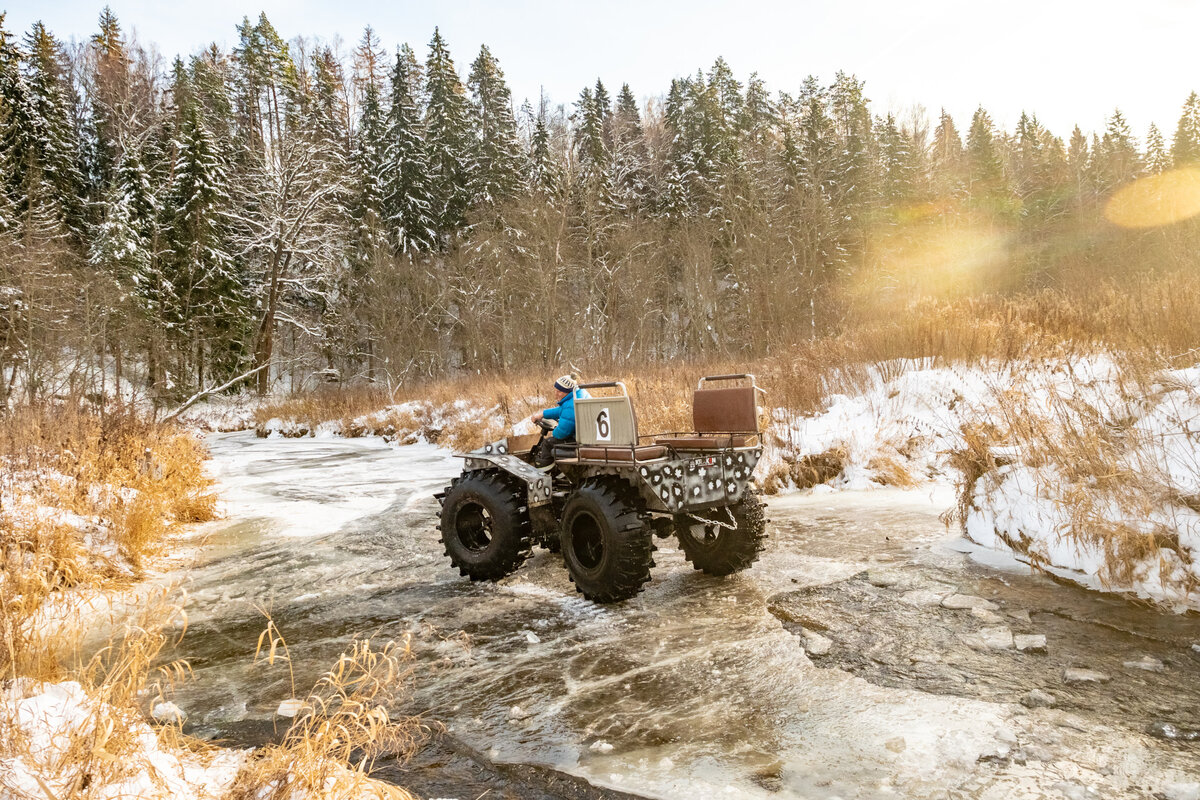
[{"x": 345, "y": 725}]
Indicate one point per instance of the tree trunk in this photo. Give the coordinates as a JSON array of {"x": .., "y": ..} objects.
[{"x": 265, "y": 345}]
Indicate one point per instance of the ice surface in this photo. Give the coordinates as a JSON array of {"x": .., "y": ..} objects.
[{"x": 309, "y": 487}]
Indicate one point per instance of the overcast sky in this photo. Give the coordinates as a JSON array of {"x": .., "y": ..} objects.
[{"x": 1068, "y": 62}]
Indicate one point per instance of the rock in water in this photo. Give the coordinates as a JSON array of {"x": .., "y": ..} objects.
[
  {"x": 1030, "y": 643},
  {"x": 531, "y": 637},
  {"x": 1076, "y": 675},
  {"x": 168, "y": 712},
  {"x": 882, "y": 578},
  {"x": 1036, "y": 698},
  {"x": 998, "y": 638},
  {"x": 601, "y": 747},
  {"x": 961, "y": 602},
  {"x": 922, "y": 597},
  {"x": 1166, "y": 730},
  {"x": 814, "y": 643},
  {"x": 517, "y": 713},
  {"x": 290, "y": 707},
  {"x": 1147, "y": 663},
  {"x": 987, "y": 617}
]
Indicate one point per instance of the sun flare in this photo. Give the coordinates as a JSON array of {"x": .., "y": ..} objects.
[{"x": 1156, "y": 200}]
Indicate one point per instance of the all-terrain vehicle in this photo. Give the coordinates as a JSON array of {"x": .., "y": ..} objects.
[{"x": 606, "y": 497}]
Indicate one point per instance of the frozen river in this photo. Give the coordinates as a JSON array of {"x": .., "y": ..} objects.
[{"x": 847, "y": 663}]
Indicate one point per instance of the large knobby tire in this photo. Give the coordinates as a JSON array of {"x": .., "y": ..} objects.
[
  {"x": 717, "y": 550},
  {"x": 606, "y": 541},
  {"x": 485, "y": 525}
]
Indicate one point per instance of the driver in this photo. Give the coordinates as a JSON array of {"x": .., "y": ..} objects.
[{"x": 567, "y": 389}]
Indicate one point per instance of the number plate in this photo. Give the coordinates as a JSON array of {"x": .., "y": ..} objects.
[{"x": 704, "y": 461}]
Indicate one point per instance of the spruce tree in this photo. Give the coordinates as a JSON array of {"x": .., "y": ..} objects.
[
  {"x": 856, "y": 185},
  {"x": 1185, "y": 148},
  {"x": 327, "y": 108},
  {"x": 109, "y": 93},
  {"x": 42, "y": 136},
  {"x": 818, "y": 164},
  {"x": 206, "y": 280},
  {"x": 544, "y": 173},
  {"x": 676, "y": 198},
  {"x": 985, "y": 172},
  {"x": 727, "y": 107},
  {"x": 122, "y": 244},
  {"x": 1120, "y": 161},
  {"x": 946, "y": 157},
  {"x": 897, "y": 161},
  {"x": 757, "y": 112},
  {"x": 412, "y": 213},
  {"x": 1078, "y": 155},
  {"x": 1157, "y": 160},
  {"x": 447, "y": 140},
  {"x": 368, "y": 173},
  {"x": 604, "y": 109},
  {"x": 630, "y": 167},
  {"x": 496, "y": 159},
  {"x": 591, "y": 152}
]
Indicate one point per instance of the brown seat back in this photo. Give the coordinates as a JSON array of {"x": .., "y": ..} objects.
[{"x": 732, "y": 410}]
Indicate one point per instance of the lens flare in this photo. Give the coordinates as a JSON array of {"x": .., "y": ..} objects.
[{"x": 1156, "y": 200}]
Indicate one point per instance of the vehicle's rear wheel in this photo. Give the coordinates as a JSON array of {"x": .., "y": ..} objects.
[
  {"x": 719, "y": 550},
  {"x": 485, "y": 525},
  {"x": 606, "y": 541}
]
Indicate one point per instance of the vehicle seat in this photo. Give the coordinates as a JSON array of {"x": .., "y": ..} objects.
[
  {"x": 723, "y": 417},
  {"x": 702, "y": 442},
  {"x": 630, "y": 454},
  {"x": 607, "y": 428}
]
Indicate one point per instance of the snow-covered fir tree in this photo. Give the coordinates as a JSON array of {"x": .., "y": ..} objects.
[
  {"x": 496, "y": 157},
  {"x": 1185, "y": 147},
  {"x": 410, "y": 206},
  {"x": 447, "y": 140},
  {"x": 1157, "y": 159}
]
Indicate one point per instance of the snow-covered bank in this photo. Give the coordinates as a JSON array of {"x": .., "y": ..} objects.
[
  {"x": 1089, "y": 468},
  {"x": 1096, "y": 479},
  {"x": 60, "y": 740}
]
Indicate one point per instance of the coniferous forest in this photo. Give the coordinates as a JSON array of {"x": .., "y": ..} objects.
[{"x": 385, "y": 214}]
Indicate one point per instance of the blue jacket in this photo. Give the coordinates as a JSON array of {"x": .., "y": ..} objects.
[{"x": 564, "y": 412}]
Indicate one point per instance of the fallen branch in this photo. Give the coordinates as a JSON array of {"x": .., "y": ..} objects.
[{"x": 203, "y": 393}]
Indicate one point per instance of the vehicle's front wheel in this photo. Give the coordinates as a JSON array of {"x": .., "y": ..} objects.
[
  {"x": 485, "y": 525},
  {"x": 720, "y": 550},
  {"x": 606, "y": 541}
]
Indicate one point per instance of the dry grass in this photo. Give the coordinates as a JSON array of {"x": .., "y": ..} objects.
[
  {"x": 1092, "y": 462},
  {"x": 804, "y": 472},
  {"x": 1146, "y": 314},
  {"x": 137, "y": 478},
  {"x": 344, "y": 726},
  {"x": 87, "y": 496},
  {"x": 128, "y": 481}
]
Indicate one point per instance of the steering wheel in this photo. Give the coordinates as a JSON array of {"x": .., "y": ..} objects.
[{"x": 546, "y": 425}]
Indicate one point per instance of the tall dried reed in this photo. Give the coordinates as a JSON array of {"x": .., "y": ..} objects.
[{"x": 343, "y": 727}]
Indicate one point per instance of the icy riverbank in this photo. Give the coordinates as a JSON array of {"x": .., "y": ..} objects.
[
  {"x": 1089, "y": 467},
  {"x": 700, "y": 686}
]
